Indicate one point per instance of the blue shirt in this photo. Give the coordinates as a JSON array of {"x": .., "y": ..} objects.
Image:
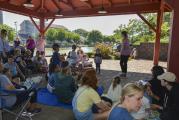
[
  {"x": 56, "y": 58},
  {"x": 12, "y": 68},
  {"x": 4, "y": 45},
  {"x": 10, "y": 100},
  {"x": 119, "y": 113}
]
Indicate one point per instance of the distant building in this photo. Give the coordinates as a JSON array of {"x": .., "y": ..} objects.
[
  {"x": 1, "y": 17},
  {"x": 27, "y": 28}
]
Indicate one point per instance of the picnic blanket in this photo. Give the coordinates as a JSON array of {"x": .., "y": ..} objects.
[{"x": 47, "y": 98}]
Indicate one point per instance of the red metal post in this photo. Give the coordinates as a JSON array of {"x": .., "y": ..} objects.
[
  {"x": 158, "y": 33},
  {"x": 173, "y": 53},
  {"x": 42, "y": 26}
]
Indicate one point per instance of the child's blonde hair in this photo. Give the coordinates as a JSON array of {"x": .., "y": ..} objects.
[{"x": 130, "y": 90}]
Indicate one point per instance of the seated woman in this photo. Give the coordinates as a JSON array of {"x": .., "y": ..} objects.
[
  {"x": 19, "y": 98},
  {"x": 14, "y": 68},
  {"x": 64, "y": 84},
  {"x": 86, "y": 96},
  {"x": 131, "y": 100}
]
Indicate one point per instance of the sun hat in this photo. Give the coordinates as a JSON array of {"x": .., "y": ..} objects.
[{"x": 167, "y": 76}]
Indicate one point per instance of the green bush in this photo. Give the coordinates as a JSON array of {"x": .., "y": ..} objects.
[
  {"x": 106, "y": 50},
  {"x": 90, "y": 54}
]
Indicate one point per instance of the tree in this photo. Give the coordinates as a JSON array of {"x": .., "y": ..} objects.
[
  {"x": 81, "y": 32},
  {"x": 94, "y": 36},
  {"x": 51, "y": 34},
  {"x": 140, "y": 31},
  {"x": 10, "y": 31}
]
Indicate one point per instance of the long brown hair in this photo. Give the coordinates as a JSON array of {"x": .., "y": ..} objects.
[{"x": 89, "y": 78}]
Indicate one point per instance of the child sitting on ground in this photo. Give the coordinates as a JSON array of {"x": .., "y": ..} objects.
[
  {"x": 114, "y": 92},
  {"x": 86, "y": 62}
]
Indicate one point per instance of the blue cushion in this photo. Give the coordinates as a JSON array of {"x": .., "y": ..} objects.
[
  {"x": 47, "y": 98},
  {"x": 100, "y": 90}
]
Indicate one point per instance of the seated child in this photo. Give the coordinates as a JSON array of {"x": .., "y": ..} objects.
[
  {"x": 114, "y": 92},
  {"x": 85, "y": 61}
]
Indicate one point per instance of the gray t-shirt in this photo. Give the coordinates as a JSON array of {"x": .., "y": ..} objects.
[{"x": 9, "y": 100}]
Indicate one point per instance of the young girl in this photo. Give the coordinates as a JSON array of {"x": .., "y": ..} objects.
[
  {"x": 115, "y": 89},
  {"x": 98, "y": 60}
]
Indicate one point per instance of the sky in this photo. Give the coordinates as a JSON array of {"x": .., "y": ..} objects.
[{"x": 105, "y": 24}]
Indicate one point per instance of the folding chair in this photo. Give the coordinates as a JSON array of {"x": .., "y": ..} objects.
[{"x": 22, "y": 113}]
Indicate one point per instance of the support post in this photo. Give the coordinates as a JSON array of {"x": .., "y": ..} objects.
[
  {"x": 173, "y": 52},
  {"x": 158, "y": 34}
]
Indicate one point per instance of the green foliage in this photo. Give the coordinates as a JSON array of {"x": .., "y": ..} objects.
[
  {"x": 10, "y": 31},
  {"x": 94, "y": 36},
  {"x": 81, "y": 32},
  {"x": 140, "y": 31},
  {"x": 51, "y": 34},
  {"x": 106, "y": 50},
  {"x": 90, "y": 54},
  {"x": 62, "y": 35}
]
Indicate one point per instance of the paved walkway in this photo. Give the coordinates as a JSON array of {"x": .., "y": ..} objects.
[{"x": 137, "y": 69}]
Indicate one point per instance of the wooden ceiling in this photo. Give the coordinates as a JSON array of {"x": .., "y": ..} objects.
[{"x": 79, "y": 8}]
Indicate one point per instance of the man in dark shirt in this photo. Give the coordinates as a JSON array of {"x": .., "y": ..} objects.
[{"x": 171, "y": 99}]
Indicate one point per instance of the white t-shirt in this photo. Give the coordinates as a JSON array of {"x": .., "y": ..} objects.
[
  {"x": 40, "y": 45},
  {"x": 114, "y": 94}
]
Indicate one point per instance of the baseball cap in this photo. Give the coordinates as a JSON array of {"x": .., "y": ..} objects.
[{"x": 168, "y": 76}]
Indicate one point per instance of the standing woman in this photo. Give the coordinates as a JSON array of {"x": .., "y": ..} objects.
[
  {"x": 30, "y": 45},
  {"x": 130, "y": 101},
  {"x": 125, "y": 53},
  {"x": 86, "y": 97}
]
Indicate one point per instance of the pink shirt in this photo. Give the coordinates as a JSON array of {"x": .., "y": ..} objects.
[{"x": 40, "y": 45}]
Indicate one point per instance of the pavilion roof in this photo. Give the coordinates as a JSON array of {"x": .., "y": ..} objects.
[{"x": 80, "y": 8}]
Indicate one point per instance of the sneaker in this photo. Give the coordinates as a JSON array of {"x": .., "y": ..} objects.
[{"x": 35, "y": 111}]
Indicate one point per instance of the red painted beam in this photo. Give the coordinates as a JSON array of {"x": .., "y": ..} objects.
[
  {"x": 35, "y": 23},
  {"x": 49, "y": 25},
  {"x": 158, "y": 34},
  {"x": 148, "y": 23},
  {"x": 55, "y": 3},
  {"x": 5, "y": 6},
  {"x": 115, "y": 10}
]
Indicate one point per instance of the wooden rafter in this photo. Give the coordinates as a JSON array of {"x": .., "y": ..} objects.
[
  {"x": 71, "y": 4},
  {"x": 18, "y": 10},
  {"x": 34, "y": 23},
  {"x": 132, "y": 9},
  {"x": 49, "y": 24},
  {"x": 66, "y": 3},
  {"x": 130, "y": 1},
  {"x": 143, "y": 18},
  {"x": 56, "y": 4},
  {"x": 89, "y": 4},
  {"x": 110, "y": 2}
]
